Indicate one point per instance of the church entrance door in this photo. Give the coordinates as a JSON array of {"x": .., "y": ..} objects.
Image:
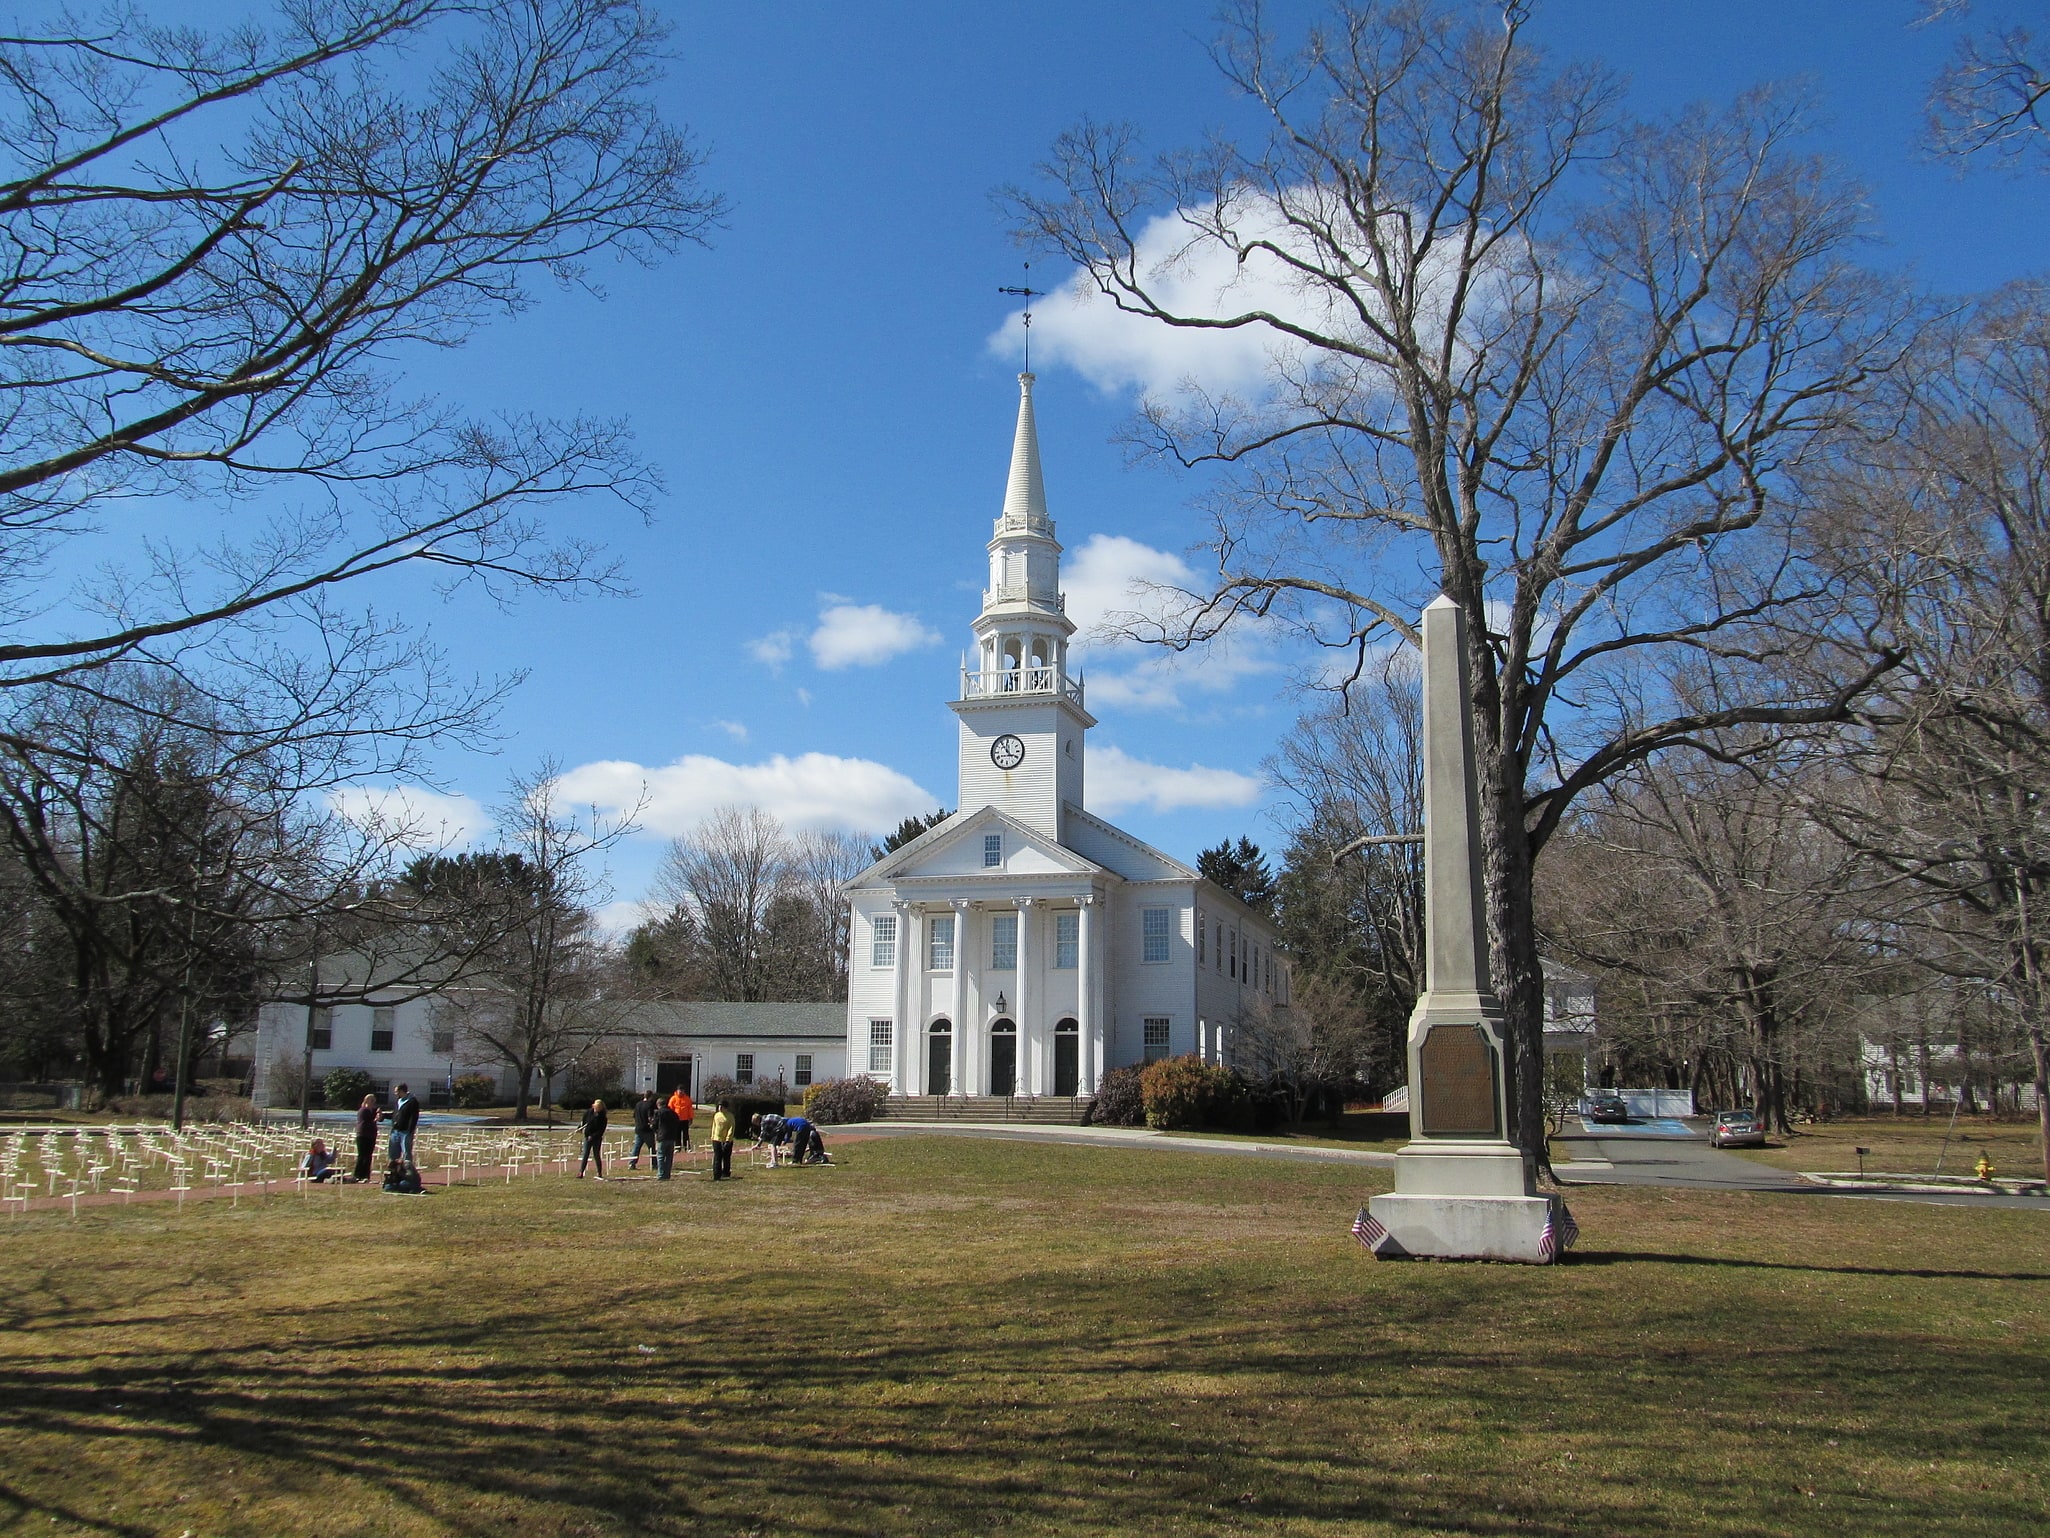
[
  {"x": 1003, "y": 1058},
  {"x": 1067, "y": 1059},
  {"x": 939, "y": 1059},
  {"x": 673, "y": 1075}
]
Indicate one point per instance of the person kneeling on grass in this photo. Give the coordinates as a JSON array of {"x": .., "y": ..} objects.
[
  {"x": 768, "y": 1131},
  {"x": 319, "y": 1164},
  {"x": 403, "y": 1177}
]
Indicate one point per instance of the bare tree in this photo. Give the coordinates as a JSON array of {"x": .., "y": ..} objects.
[
  {"x": 753, "y": 912},
  {"x": 545, "y": 988},
  {"x": 1993, "y": 97},
  {"x": 1707, "y": 892},
  {"x": 1566, "y": 368},
  {"x": 1947, "y": 522},
  {"x": 224, "y": 244}
]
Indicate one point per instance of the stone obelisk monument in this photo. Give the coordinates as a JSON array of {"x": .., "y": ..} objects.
[{"x": 1463, "y": 1191}]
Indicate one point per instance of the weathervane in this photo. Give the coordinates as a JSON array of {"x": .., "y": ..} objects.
[{"x": 1028, "y": 293}]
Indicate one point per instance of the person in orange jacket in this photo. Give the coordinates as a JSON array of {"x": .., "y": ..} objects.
[{"x": 680, "y": 1103}]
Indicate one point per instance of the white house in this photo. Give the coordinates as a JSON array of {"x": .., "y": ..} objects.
[
  {"x": 413, "y": 1040},
  {"x": 1023, "y": 946}
]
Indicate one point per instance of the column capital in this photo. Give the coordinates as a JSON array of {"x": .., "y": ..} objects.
[
  {"x": 1028, "y": 902},
  {"x": 960, "y": 904}
]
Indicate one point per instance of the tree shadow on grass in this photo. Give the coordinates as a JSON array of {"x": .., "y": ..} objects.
[{"x": 1578, "y": 1258}]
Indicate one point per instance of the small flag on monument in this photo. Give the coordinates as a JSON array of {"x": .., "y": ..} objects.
[{"x": 1367, "y": 1229}]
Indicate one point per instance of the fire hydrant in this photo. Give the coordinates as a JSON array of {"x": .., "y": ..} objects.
[{"x": 1984, "y": 1168}]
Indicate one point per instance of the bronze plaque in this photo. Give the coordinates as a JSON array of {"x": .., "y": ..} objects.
[{"x": 1460, "y": 1074}]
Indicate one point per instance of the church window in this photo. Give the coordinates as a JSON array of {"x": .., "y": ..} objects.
[
  {"x": 803, "y": 1075},
  {"x": 744, "y": 1067},
  {"x": 882, "y": 940},
  {"x": 1154, "y": 934},
  {"x": 323, "y": 1028},
  {"x": 1232, "y": 962},
  {"x": 1219, "y": 960},
  {"x": 442, "y": 1040},
  {"x": 1003, "y": 942},
  {"x": 381, "y": 1018},
  {"x": 1067, "y": 941},
  {"x": 1202, "y": 942},
  {"x": 1156, "y": 1037},
  {"x": 992, "y": 849},
  {"x": 940, "y": 946},
  {"x": 879, "y": 1046}
]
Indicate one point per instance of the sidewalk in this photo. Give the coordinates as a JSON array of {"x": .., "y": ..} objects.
[{"x": 1109, "y": 1137}]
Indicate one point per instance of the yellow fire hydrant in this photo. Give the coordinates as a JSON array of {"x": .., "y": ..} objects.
[{"x": 1984, "y": 1169}]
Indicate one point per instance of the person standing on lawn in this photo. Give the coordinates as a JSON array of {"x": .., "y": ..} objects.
[
  {"x": 668, "y": 1128},
  {"x": 680, "y": 1103},
  {"x": 594, "y": 1139},
  {"x": 405, "y": 1120},
  {"x": 722, "y": 1141},
  {"x": 644, "y": 1129},
  {"x": 367, "y": 1118}
]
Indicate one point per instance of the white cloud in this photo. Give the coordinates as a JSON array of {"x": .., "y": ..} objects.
[
  {"x": 1162, "y": 680},
  {"x": 819, "y": 790},
  {"x": 864, "y": 635},
  {"x": 619, "y": 919},
  {"x": 1190, "y": 274},
  {"x": 773, "y": 649},
  {"x": 413, "y": 817},
  {"x": 1118, "y": 782},
  {"x": 804, "y": 698},
  {"x": 734, "y": 729},
  {"x": 1109, "y": 575}
]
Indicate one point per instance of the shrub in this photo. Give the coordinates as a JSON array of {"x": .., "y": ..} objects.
[
  {"x": 344, "y": 1088},
  {"x": 203, "y": 1108},
  {"x": 1119, "y": 1102},
  {"x": 1185, "y": 1092},
  {"x": 719, "y": 1087},
  {"x": 594, "y": 1076},
  {"x": 837, "y": 1102},
  {"x": 473, "y": 1092}
]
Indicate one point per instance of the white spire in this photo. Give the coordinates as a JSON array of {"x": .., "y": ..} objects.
[{"x": 1025, "y": 495}]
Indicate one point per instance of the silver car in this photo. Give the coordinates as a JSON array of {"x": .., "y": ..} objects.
[{"x": 1737, "y": 1129}]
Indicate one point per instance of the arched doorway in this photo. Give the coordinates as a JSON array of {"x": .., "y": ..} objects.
[
  {"x": 1003, "y": 1058},
  {"x": 939, "y": 1058},
  {"x": 1067, "y": 1059}
]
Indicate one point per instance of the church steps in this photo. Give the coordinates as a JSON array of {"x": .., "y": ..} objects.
[{"x": 1042, "y": 1110}]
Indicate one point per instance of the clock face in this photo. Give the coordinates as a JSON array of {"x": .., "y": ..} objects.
[{"x": 1007, "y": 752}]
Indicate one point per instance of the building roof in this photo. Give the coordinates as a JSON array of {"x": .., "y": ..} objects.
[{"x": 711, "y": 1020}]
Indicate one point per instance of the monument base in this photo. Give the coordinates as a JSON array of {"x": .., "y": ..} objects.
[{"x": 1466, "y": 1200}]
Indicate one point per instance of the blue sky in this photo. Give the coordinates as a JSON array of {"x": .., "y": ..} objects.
[{"x": 822, "y": 392}]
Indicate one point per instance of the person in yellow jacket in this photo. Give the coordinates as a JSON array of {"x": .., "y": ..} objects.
[{"x": 722, "y": 1142}]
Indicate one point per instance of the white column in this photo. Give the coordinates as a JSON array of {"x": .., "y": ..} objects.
[
  {"x": 1030, "y": 1030},
  {"x": 900, "y": 1006},
  {"x": 1086, "y": 1044},
  {"x": 964, "y": 1028}
]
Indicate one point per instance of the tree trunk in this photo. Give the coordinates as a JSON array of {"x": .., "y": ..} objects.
[{"x": 526, "y": 1067}]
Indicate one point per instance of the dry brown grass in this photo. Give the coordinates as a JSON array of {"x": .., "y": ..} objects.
[{"x": 945, "y": 1336}]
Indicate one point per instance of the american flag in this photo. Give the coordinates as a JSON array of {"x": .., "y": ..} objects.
[
  {"x": 1560, "y": 1233},
  {"x": 1367, "y": 1229}
]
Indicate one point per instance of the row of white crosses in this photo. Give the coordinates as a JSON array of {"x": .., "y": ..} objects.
[{"x": 89, "y": 1161}]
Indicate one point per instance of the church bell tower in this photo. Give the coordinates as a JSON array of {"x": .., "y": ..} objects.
[{"x": 1022, "y": 716}]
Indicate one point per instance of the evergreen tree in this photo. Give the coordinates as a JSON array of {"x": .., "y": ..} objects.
[{"x": 1241, "y": 869}]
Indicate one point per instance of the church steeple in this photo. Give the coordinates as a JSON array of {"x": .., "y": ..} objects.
[{"x": 1017, "y": 701}]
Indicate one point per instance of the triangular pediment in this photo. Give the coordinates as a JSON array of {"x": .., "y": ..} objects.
[{"x": 955, "y": 849}]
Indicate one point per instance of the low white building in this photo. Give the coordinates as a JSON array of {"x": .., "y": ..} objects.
[
  {"x": 1024, "y": 946},
  {"x": 413, "y": 1041}
]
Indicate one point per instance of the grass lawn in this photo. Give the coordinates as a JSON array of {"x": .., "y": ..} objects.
[
  {"x": 951, "y": 1336},
  {"x": 1907, "y": 1145}
]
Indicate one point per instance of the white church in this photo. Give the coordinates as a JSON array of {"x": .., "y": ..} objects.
[{"x": 1024, "y": 946}]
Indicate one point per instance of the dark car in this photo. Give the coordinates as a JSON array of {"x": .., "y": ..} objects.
[
  {"x": 1737, "y": 1129},
  {"x": 1607, "y": 1108}
]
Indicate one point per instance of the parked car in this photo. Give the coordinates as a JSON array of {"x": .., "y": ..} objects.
[
  {"x": 1608, "y": 1108},
  {"x": 1737, "y": 1129}
]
